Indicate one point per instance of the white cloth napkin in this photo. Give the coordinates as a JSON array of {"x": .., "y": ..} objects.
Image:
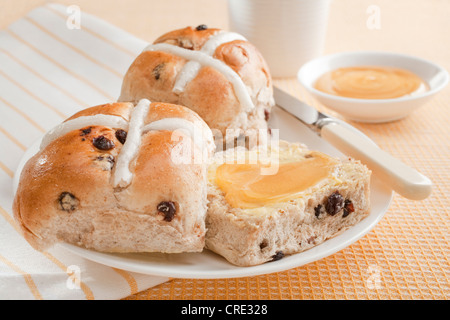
[{"x": 54, "y": 62}]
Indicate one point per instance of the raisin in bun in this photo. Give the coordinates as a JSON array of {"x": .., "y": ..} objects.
[
  {"x": 117, "y": 178},
  {"x": 218, "y": 74}
]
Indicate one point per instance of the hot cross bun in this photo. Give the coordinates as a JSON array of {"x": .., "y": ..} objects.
[
  {"x": 119, "y": 178},
  {"x": 218, "y": 74}
]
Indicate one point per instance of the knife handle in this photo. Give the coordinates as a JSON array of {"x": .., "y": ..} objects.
[{"x": 402, "y": 179}]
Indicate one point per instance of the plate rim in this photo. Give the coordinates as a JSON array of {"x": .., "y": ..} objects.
[{"x": 235, "y": 271}]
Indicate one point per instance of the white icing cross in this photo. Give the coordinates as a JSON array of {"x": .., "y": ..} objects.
[
  {"x": 203, "y": 57},
  {"x": 191, "y": 68},
  {"x": 122, "y": 175}
]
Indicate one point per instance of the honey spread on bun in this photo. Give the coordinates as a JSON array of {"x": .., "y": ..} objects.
[{"x": 246, "y": 187}]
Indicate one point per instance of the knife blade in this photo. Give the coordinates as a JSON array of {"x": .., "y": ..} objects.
[{"x": 401, "y": 178}]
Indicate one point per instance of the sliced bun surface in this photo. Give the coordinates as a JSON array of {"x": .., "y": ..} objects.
[{"x": 303, "y": 216}]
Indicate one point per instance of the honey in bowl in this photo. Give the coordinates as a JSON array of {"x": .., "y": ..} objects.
[{"x": 370, "y": 82}]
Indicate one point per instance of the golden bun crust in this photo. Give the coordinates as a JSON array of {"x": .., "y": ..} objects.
[
  {"x": 114, "y": 109},
  {"x": 66, "y": 194},
  {"x": 210, "y": 94},
  {"x": 189, "y": 37}
]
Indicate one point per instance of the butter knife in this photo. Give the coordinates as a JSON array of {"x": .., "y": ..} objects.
[{"x": 401, "y": 178}]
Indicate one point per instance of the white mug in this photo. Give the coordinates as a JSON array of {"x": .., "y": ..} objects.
[{"x": 288, "y": 33}]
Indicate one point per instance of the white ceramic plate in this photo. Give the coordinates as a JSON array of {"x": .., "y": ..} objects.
[
  {"x": 208, "y": 265},
  {"x": 373, "y": 110}
]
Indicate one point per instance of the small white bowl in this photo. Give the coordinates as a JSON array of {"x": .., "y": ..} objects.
[{"x": 373, "y": 110}]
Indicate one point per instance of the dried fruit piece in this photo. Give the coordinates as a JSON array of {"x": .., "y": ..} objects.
[
  {"x": 266, "y": 114},
  {"x": 121, "y": 135},
  {"x": 201, "y": 27},
  {"x": 278, "y": 256},
  {"x": 348, "y": 208},
  {"x": 334, "y": 204},
  {"x": 168, "y": 209},
  {"x": 68, "y": 202},
  {"x": 318, "y": 210},
  {"x": 103, "y": 143},
  {"x": 85, "y": 131},
  {"x": 157, "y": 71}
]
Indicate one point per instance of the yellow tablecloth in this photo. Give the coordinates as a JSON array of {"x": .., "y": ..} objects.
[{"x": 406, "y": 256}]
